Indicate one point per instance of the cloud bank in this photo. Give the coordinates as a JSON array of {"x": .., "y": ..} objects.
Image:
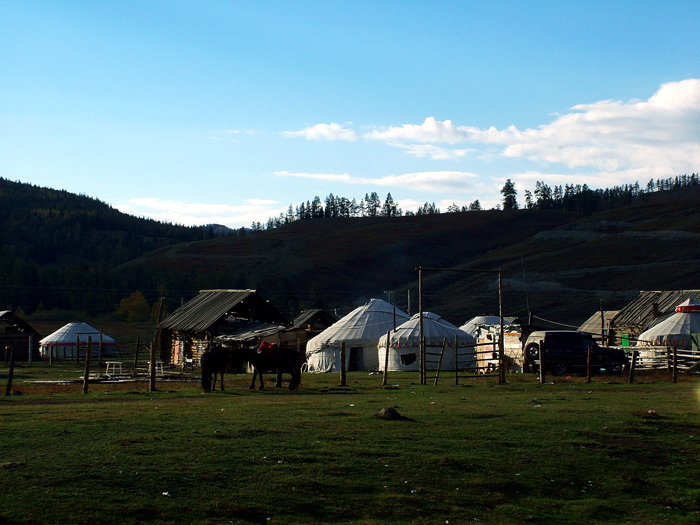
[
  {"x": 609, "y": 140},
  {"x": 200, "y": 214}
]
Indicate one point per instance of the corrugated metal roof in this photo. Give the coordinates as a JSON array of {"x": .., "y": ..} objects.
[
  {"x": 251, "y": 332},
  {"x": 638, "y": 315},
  {"x": 12, "y": 319},
  {"x": 209, "y": 306},
  {"x": 592, "y": 325},
  {"x": 304, "y": 317}
]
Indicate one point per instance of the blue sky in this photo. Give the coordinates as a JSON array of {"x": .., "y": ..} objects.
[{"x": 228, "y": 112}]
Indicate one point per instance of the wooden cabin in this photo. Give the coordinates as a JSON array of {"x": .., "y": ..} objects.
[
  {"x": 190, "y": 330},
  {"x": 18, "y": 337}
]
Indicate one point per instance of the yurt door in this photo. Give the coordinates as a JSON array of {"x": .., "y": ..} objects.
[{"x": 356, "y": 360}]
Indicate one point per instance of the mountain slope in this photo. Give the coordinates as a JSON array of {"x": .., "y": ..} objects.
[
  {"x": 570, "y": 263},
  {"x": 56, "y": 247}
]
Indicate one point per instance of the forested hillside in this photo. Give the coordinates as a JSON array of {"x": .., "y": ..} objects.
[
  {"x": 57, "y": 248},
  {"x": 69, "y": 252}
]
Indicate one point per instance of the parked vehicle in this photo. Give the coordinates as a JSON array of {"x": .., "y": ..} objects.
[{"x": 566, "y": 351}]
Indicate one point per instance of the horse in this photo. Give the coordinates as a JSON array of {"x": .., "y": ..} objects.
[
  {"x": 215, "y": 361},
  {"x": 270, "y": 356}
]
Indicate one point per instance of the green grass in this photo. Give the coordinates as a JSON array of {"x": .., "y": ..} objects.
[{"x": 568, "y": 452}]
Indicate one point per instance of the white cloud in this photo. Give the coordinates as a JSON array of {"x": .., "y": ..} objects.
[
  {"x": 431, "y": 131},
  {"x": 658, "y": 137},
  {"x": 432, "y": 151},
  {"x": 430, "y": 181},
  {"x": 198, "y": 214},
  {"x": 330, "y": 131},
  {"x": 606, "y": 142}
]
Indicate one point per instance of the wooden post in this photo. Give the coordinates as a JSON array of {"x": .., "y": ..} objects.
[
  {"x": 152, "y": 382},
  {"x": 456, "y": 354},
  {"x": 542, "y": 373},
  {"x": 442, "y": 352},
  {"x": 343, "y": 380},
  {"x": 421, "y": 339},
  {"x": 588, "y": 366},
  {"x": 99, "y": 351},
  {"x": 675, "y": 364},
  {"x": 136, "y": 356},
  {"x": 86, "y": 378},
  {"x": 602, "y": 325},
  {"x": 51, "y": 354},
  {"x": 77, "y": 349},
  {"x": 11, "y": 372},
  {"x": 501, "y": 342},
  {"x": 31, "y": 345},
  {"x": 386, "y": 356},
  {"x": 633, "y": 365}
]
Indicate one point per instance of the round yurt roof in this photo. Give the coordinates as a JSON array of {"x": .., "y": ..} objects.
[
  {"x": 361, "y": 327},
  {"x": 679, "y": 326},
  {"x": 472, "y": 326},
  {"x": 435, "y": 330},
  {"x": 69, "y": 334}
]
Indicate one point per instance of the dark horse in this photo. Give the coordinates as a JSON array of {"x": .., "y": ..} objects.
[
  {"x": 268, "y": 357},
  {"x": 215, "y": 361}
]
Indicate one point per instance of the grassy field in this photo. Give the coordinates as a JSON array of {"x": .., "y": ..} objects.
[{"x": 567, "y": 452}]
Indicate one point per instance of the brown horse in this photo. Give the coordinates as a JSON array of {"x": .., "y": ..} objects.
[
  {"x": 215, "y": 361},
  {"x": 267, "y": 357}
]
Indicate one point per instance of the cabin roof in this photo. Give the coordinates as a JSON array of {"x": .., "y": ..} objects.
[
  {"x": 304, "y": 317},
  {"x": 639, "y": 314},
  {"x": 210, "y": 306}
]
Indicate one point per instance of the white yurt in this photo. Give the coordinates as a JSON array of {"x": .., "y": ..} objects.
[
  {"x": 404, "y": 348},
  {"x": 63, "y": 342},
  {"x": 474, "y": 324},
  {"x": 359, "y": 330},
  {"x": 681, "y": 329}
]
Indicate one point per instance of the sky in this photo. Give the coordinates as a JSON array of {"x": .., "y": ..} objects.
[{"x": 227, "y": 112}]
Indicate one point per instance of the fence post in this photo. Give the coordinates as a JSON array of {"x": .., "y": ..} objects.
[
  {"x": 87, "y": 365},
  {"x": 588, "y": 366},
  {"x": 136, "y": 355},
  {"x": 343, "y": 380},
  {"x": 456, "y": 353},
  {"x": 99, "y": 353},
  {"x": 152, "y": 382},
  {"x": 77, "y": 349},
  {"x": 633, "y": 365},
  {"x": 675, "y": 364},
  {"x": 501, "y": 339},
  {"x": 31, "y": 346},
  {"x": 386, "y": 357},
  {"x": 11, "y": 373},
  {"x": 542, "y": 373}
]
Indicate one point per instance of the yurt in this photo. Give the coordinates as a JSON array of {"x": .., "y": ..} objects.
[
  {"x": 63, "y": 342},
  {"x": 359, "y": 330},
  {"x": 473, "y": 326},
  {"x": 681, "y": 329},
  {"x": 404, "y": 347}
]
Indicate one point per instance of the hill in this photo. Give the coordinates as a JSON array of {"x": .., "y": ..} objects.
[
  {"x": 559, "y": 265},
  {"x": 71, "y": 252},
  {"x": 57, "y": 248}
]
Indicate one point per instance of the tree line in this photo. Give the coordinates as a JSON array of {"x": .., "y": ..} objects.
[
  {"x": 576, "y": 198},
  {"x": 582, "y": 199},
  {"x": 336, "y": 207}
]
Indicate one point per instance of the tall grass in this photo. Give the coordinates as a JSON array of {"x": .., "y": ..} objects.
[{"x": 568, "y": 452}]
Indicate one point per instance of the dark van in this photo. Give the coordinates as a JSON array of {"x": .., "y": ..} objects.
[{"x": 566, "y": 352}]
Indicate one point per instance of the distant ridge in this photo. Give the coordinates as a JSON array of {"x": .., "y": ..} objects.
[{"x": 60, "y": 250}]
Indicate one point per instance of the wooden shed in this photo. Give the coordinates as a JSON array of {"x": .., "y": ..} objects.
[
  {"x": 17, "y": 336},
  {"x": 190, "y": 330}
]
